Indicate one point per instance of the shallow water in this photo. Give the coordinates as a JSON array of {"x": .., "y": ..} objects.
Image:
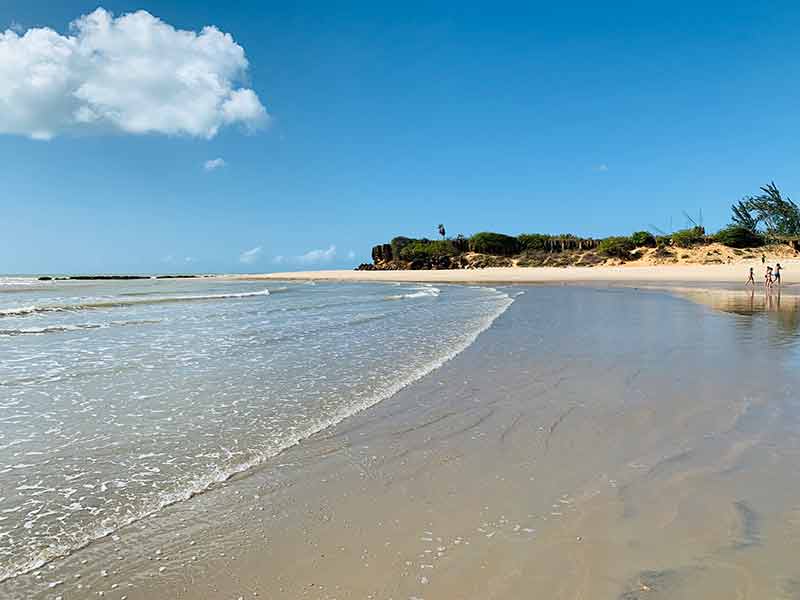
[
  {"x": 118, "y": 399},
  {"x": 595, "y": 443},
  {"x": 773, "y": 318}
]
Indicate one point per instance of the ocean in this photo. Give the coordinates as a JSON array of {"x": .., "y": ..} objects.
[{"x": 119, "y": 398}]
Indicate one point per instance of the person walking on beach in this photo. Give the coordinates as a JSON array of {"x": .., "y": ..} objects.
[
  {"x": 763, "y": 258},
  {"x": 751, "y": 280},
  {"x": 778, "y": 268},
  {"x": 768, "y": 278}
]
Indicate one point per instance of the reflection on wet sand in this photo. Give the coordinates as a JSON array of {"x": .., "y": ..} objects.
[{"x": 774, "y": 312}]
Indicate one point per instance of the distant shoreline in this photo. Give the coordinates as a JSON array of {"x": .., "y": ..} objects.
[
  {"x": 685, "y": 273},
  {"x": 114, "y": 277},
  {"x": 730, "y": 273}
]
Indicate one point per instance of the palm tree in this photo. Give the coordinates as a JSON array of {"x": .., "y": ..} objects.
[{"x": 441, "y": 230}]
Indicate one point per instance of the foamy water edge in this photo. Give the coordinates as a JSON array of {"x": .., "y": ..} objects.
[{"x": 206, "y": 482}]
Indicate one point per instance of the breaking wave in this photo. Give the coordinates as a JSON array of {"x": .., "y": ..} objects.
[
  {"x": 423, "y": 292},
  {"x": 104, "y": 304}
]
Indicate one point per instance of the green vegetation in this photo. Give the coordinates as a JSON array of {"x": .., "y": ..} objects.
[
  {"x": 768, "y": 217},
  {"x": 663, "y": 240},
  {"x": 616, "y": 247},
  {"x": 539, "y": 242},
  {"x": 427, "y": 250},
  {"x": 497, "y": 244},
  {"x": 398, "y": 244},
  {"x": 533, "y": 241},
  {"x": 643, "y": 238},
  {"x": 460, "y": 243},
  {"x": 686, "y": 238},
  {"x": 737, "y": 236},
  {"x": 769, "y": 212}
]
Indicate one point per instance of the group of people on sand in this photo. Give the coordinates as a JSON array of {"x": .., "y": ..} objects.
[{"x": 772, "y": 277}]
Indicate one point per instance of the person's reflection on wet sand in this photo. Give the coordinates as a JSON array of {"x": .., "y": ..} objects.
[{"x": 773, "y": 300}]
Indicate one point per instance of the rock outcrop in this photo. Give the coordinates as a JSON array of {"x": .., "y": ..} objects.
[
  {"x": 382, "y": 253},
  {"x": 467, "y": 260}
]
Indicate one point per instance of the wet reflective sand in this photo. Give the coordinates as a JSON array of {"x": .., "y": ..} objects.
[
  {"x": 593, "y": 443},
  {"x": 777, "y": 311}
]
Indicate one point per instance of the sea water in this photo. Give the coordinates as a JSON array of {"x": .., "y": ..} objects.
[{"x": 120, "y": 398}]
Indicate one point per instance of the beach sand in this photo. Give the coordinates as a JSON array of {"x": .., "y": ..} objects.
[
  {"x": 593, "y": 443},
  {"x": 736, "y": 272}
]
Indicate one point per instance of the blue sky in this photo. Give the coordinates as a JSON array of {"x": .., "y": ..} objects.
[{"x": 581, "y": 117}]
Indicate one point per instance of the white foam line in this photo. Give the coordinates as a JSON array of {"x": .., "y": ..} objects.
[
  {"x": 111, "y": 303},
  {"x": 76, "y": 327},
  {"x": 423, "y": 292},
  {"x": 204, "y": 483}
]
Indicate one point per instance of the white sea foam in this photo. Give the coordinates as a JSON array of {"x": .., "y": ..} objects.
[
  {"x": 25, "y": 310},
  {"x": 17, "y": 281},
  {"x": 120, "y": 303},
  {"x": 74, "y": 327},
  {"x": 52, "y": 329},
  {"x": 118, "y": 393},
  {"x": 422, "y": 292}
]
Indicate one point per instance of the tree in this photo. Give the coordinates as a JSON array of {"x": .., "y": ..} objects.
[
  {"x": 736, "y": 236},
  {"x": 643, "y": 238},
  {"x": 686, "y": 238},
  {"x": 742, "y": 217},
  {"x": 441, "y": 230},
  {"x": 616, "y": 247},
  {"x": 496, "y": 244},
  {"x": 778, "y": 215}
]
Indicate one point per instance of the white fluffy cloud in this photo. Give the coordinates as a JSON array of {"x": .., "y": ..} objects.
[
  {"x": 131, "y": 74},
  {"x": 213, "y": 164},
  {"x": 248, "y": 257},
  {"x": 318, "y": 256},
  {"x": 309, "y": 258}
]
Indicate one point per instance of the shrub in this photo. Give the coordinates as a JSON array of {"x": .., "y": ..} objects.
[
  {"x": 643, "y": 238},
  {"x": 737, "y": 236},
  {"x": 398, "y": 244},
  {"x": 616, "y": 247},
  {"x": 686, "y": 238},
  {"x": 427, "y": 249},
  {"x": 497, "y": 244},
  {"x": 533, "y": 241},
  {"x": 460, "y": 243},
  {"x": 663, "y": 240}
]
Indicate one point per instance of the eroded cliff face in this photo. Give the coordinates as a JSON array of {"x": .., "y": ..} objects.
[
  {"x": 383, "y": 260},
  {"x": 386, "y": 258},
  {"x": 382, "y": 253},
  {"x": 706, "y": 254}
]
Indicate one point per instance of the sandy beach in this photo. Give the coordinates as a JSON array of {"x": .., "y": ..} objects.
[
  {"x": 629, "y": 273},
  {"x": 399, "y": 301},
  {"x": 593, "y": 443}
]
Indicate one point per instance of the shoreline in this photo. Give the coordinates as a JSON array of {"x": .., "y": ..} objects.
[
  {"x": 728, "y": 273},
  {"x": 197, "y": 496},
  {"x": 457, "y": 487},
  {"x": 501, "y": 472}
]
